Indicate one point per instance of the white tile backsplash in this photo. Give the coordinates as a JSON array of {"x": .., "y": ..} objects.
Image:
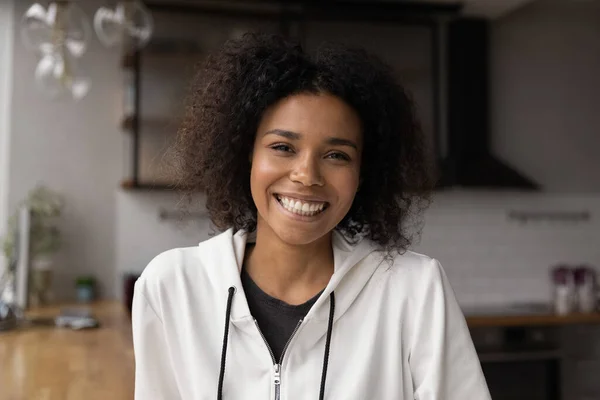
[
  {"x": 489, "y": 258},
  {"x": 493, "y": 259}
]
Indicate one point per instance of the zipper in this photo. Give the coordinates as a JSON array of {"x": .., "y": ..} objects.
[
  {"x": 277, "y": 381},
  {"x": 276, "y": 365}
]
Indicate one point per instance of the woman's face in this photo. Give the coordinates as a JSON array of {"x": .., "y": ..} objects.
[{"x": 305, "y": 166}]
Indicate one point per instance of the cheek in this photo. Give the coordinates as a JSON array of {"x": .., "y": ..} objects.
[
  {"x": 346, "y": 185},
  {"x": 264, "y": 167},
  {"x": 264, "y": 172}
]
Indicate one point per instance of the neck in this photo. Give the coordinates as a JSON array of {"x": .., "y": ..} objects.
[{"x": 291, "y": 273}]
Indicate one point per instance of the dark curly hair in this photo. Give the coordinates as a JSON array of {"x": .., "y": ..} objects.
[{"x": 235, "y": 86}]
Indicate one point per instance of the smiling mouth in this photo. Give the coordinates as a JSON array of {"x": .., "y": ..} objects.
[{"x": 300, "y": 207}]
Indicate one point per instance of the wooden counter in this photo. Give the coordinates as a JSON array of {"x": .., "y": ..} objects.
[
  {"x": 531, "y": 320},
  {"x": 49, "y": 363}
]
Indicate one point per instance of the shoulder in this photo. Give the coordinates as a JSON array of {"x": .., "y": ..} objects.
[
  {"x": 413, "y": 263},
  {"x": 173, "y": 267},
  {"x": 166, "y": 269},
  {"x": 413, "y": 273}
]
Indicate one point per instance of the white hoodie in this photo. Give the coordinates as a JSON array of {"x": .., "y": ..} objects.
[{"x": 396, "y": 332}]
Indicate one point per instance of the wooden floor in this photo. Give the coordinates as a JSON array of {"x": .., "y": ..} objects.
[{"x": 48, "y": 363}]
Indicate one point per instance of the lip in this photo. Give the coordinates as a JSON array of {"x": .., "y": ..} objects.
[
  {"x": 302, "y": 197},
  {"x": 302, "y": 218}
]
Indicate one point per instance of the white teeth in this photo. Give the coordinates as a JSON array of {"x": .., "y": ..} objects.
[{"x": 299, "y": 207}]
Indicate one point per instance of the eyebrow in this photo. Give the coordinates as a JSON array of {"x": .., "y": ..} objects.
[
  {"x": 342, "y": 142},
  {"x": 283, "y": 133},
  {"x": 296, "y": 136}
]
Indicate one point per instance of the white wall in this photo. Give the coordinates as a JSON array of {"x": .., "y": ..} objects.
[
  {"x": 141, "y": 235},
  {"x": 6, "y": 64},
  {"x": 545, "y": 93},
  {"x": 76, "y": 149},
  {"x": 492, "y": 259}
]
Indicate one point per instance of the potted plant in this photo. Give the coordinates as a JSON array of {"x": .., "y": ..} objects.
[
  {"x": 86, "y": 288},
  {"x": 45, "y": 207}
]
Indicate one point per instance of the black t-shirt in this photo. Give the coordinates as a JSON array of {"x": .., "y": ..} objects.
[{"x": 276, "y": 319}]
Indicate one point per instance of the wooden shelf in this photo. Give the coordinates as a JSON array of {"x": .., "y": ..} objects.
[
  {"x": 532, "y": 320},
  {"x": 149, "y": 186},
  {"x": 127, "y": 123},
  {"x": 129, "y": 184},
  {"x": 165, "y": 48}
]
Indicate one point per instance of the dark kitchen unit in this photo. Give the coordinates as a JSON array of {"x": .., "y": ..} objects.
[
  {"x": 468, "y": 160},
  {"x": 524, "y": 348},
  {"x": 520, "y": 362}
]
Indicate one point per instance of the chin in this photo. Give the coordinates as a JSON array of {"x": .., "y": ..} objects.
[{"x": 299, "y": 237}]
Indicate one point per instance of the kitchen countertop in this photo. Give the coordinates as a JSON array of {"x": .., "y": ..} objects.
[
  {"x": 524, "y": 315},
  {"x": 46, "y": 362}
]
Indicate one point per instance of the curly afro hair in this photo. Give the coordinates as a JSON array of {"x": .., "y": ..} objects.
[{"x": 238, "y": 83}]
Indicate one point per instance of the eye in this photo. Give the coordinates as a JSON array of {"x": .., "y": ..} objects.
[
  {"x": 282, "y": 147},
  {"x": 338, "y": 156}
]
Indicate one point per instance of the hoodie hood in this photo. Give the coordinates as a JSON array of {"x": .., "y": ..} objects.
[
  {"x": 348, "y": 263},
  {"x": 347, "y": 259}
]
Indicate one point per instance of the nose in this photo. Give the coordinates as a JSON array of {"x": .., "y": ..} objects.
[{"x": 307, "y": 171}]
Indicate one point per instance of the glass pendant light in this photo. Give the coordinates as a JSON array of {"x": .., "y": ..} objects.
[
  {"x": 59, "y": 34},
  {"x": 129, "y": 24},
  {"x": 62, "y": 23},
  {"x": 57, "y": 77}
]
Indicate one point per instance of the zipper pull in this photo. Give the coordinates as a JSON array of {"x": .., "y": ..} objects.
[
  {"x": 277, "y": 381},
  {"x": 276, "y": 376}
]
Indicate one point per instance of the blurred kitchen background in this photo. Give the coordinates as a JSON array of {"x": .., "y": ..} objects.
[{"x": 508, "y": 92}]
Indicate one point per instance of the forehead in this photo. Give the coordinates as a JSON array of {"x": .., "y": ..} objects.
[{"x": 313, "y": 115}]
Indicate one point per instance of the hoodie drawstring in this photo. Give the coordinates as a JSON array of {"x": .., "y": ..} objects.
[
  {"x": 327, "y": 344},
  {"x": 226, "y": 335}
]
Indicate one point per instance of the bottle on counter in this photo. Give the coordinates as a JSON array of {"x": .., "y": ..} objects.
[
  {"x": 585, "y": 288},
  {"x": 563, "y": 289}
]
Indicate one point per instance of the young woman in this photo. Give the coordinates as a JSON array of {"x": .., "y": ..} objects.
[{"x": 312, "y": 168}]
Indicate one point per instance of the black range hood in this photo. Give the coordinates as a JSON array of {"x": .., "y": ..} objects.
[{"x": 469, "y": 161}]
